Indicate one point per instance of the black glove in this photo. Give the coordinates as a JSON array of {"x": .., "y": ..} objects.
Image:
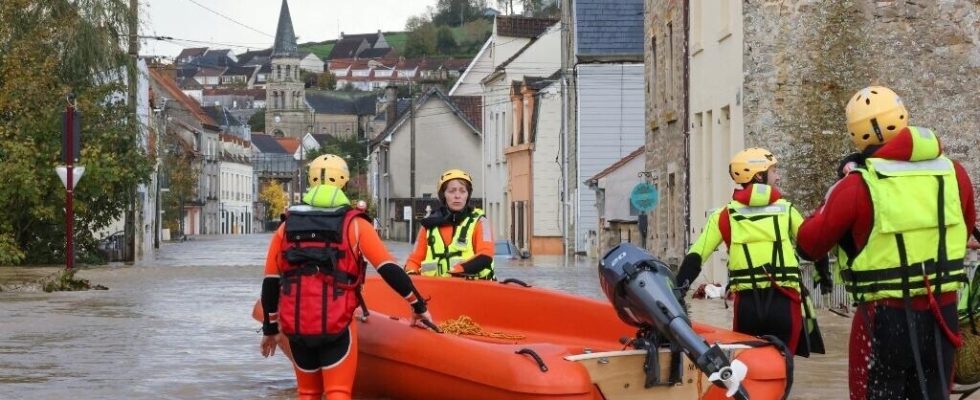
[
  {"x": 845, "y": 166},
  {"x": 821, "y": 277}
]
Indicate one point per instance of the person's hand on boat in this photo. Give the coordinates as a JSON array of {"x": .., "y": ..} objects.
[
  {"x": 268, "y": 345},
  {"x": 423, "y": 320}
]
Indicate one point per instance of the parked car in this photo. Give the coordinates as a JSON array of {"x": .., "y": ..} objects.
[{"x": 503, "y": 248}]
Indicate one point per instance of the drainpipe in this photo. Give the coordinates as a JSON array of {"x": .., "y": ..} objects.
[
  {"x": 563, "y": 161},
  {"x": 687, "y": 126}
]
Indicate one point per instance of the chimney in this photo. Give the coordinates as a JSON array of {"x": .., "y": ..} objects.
[{"x": 391, "y": 107}]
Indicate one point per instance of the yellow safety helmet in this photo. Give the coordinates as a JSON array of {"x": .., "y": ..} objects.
[
  {"x": 454, "y": 174},
  {"x": 328, "y": 169},
  {"x": 749, "y": 162},
  {"x": 449, "y": 175},
  {"x": 875, "y": 114}
]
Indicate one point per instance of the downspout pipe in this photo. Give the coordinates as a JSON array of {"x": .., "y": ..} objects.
[{"x": 687, "y": 126}]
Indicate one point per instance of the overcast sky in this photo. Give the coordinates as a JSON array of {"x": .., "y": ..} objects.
[{"x": 252, "y": 23}]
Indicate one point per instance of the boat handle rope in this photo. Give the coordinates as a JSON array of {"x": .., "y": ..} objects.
[
  {"x": 537, "y": 358},
  {"x": 514, "y": 280}
]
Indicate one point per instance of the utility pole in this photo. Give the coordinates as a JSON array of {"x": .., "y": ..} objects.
[
  {"x": 130, "y": 217},
  {"x": 411, "y": 220}
]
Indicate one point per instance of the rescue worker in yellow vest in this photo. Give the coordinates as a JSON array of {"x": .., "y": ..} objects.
[
  {"x": 319, "y": 250},
  {"x": 455, "y": 239},
  {"x": 758, "y": 226},
  {"x": 899, "y": 219}
]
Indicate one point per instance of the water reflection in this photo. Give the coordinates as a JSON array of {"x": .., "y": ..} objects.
[{"x": 177, "y": 327}]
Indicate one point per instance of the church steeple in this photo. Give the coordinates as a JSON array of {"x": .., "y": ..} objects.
[{"x": 285, "y": 44}]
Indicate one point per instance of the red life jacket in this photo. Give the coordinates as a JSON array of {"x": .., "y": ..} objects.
[{"x": 321, "y": 282}]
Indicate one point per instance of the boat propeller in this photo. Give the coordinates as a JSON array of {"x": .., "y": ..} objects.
[
  {"x": 641, "y": 289},
  {"x": 731, "y": 377}
]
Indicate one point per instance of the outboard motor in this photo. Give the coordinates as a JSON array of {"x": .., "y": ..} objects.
[{"x": 641, "y": 288}]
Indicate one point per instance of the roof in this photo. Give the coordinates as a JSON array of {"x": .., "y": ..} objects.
[
  {"x": 221, "y": 115},
  {"x": 210, "y": 71},
  {"x": 289, "y": 144},
  {"x": 191, "y": 52},
  {"x": 472, "y": 107},
  {"x": 371, "y": 38},
  {"x": 254, "y": 57},
  {"x": 247, "y": 70},
  {"x": 616, "y": 165},
  {"x": 609, "y": 28},
  {"x": 267, "y": 144},
  {"x": 434, "y": 91},
  {"x": 343, "y": 103},
  {"x": 346, "y": 48},
  {"x": 173, "y": 92},
  {"x": 215, "y": 58},
  {"x": 379, "y": 52},
  {"x": 285, "y": 43},
  {"x": 257, "y": 94},
  {"x": 526, "y": 27}
]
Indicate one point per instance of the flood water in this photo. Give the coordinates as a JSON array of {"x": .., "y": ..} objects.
[{"x": 179, "y": 327}]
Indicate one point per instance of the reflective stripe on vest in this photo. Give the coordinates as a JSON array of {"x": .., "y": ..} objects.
[
  {"x": 909, "y": 199},
  {"x": 761, "y": 250},
  {"x": 439, "y": 258}
]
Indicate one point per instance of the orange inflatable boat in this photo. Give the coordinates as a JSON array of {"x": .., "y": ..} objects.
[{"x": 536, "y": 344}]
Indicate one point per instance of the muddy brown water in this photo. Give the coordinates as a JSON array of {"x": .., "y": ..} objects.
[{"x": 178, "y": 327}]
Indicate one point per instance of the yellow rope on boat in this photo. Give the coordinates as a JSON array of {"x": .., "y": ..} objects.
[{"x": 464, "y": 325}]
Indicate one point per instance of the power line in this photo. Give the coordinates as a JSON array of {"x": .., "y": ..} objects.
[{"x": 229, "y": 18}]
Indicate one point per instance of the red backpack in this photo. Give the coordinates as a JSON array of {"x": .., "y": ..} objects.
[{"x": 320, "y": 286}]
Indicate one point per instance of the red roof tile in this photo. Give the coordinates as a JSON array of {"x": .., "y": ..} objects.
[{"x": 175, "y": 93}]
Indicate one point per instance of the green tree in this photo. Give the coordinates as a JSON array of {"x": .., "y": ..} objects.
[
  {"x": 257, "y": 121},
  {"x": 421, "y": 37},
  {"x": 445, "y": 42},
  {"x": 326, "y": 80},
  {"x": 47, "y": 50},
  {"x": 457, "y": 12}
]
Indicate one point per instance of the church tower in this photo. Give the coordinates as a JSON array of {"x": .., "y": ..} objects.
[{"x": 286, "y": 113}]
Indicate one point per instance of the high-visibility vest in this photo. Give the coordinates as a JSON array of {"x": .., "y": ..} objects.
[
  {"x": 761, "y": 251},
  {"x": 439, "y": 257},
  {"x": 918, "y": 228}
]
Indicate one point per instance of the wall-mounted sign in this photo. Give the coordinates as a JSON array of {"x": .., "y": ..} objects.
[{"x": 644, "y": 196}]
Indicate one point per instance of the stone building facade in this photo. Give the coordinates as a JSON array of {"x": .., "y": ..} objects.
[
  {"x": 666, "y": 139},
  {"x": 928, "y": 52},
  {"x": 777, "y": 74}
]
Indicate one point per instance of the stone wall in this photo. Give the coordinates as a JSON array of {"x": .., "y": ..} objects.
[
  {"x": 666, "y": 144},
  {"x": 805, "y": 58}
]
